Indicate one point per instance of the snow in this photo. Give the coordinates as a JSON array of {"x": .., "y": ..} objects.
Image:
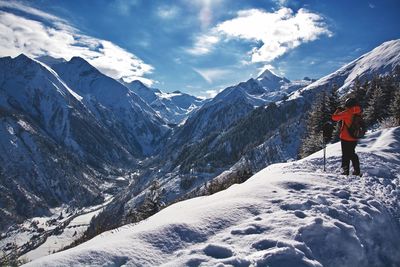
[
  {"x": 380, "y": 61},
  {"x": 289, "y": 214},
  {"x": 71, "y": 225},
  {"x": 72, "y": 232},
  {"x": 72, "y": 92}
]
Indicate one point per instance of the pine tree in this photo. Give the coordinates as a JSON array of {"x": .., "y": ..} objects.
[
  {"x": 395, "y": 107},
  {"x": 152, "y": 203},
  {"x": 334, "y": 103},
  {"x": 333, "y": 100},
  {"x": 359, "y": 92},
  {"x": 376, "y": 109},
  {"x": 319, "y": 114}
]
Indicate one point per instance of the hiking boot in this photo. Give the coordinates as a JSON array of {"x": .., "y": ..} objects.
[{"x": 357, "y": 173}]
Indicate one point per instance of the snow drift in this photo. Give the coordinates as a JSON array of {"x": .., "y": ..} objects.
[{"x": 289, "y": 214}]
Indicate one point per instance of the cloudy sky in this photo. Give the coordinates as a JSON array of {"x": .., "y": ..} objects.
[{"x": 199, "y": 46}]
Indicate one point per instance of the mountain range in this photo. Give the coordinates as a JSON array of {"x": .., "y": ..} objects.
[
  {"x": 231, "y": 131},
  {"x": 68, "y": 133}
]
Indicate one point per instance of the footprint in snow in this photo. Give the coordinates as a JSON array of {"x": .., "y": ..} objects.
[
  {"x": 250, "y": 230},
  {"x": 296, "y": 186},
  {"x": 218, "y": 251},
  {"x": 306, "y": 205},
  {"x": 300, "y": 214},
  {"x": 264, "y": 244},
  {"x": 340, "y": 193}
]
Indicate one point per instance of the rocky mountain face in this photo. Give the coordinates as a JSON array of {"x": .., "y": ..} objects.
[
  {"x": 135, "y": 124},
  {"x": 233, "y": 103},
  {"x": 39, "y": 145}
]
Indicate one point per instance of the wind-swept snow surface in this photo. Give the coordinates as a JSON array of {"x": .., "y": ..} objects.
[{"x": 289, "y": 214}]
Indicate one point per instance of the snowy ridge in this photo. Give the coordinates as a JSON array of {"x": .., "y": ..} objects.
[
  {"x": 289, "y": 214},
  {"x": 72, "y": 92},
  {"x": 380, "y": 61}
]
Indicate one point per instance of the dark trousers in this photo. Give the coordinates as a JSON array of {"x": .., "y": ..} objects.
[{"x": 349, "y": 154}]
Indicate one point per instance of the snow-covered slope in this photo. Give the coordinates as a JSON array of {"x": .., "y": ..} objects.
[
  {"x": 289, "y": 214},
  {"x": 173, "y": 107},
  {"x": 380, "y": 61},
  {"x": 224, "y": 132}
]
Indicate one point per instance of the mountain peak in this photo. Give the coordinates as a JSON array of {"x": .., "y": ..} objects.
[
  {"x": 81, "y": 65},
  {"x": 22, "y": 57},
  {"x": 77, "y": 59},
  {"x": 49, "y": 60},
  {"x": 136, "y": 84},
  {"x": 268, "y": 74}
]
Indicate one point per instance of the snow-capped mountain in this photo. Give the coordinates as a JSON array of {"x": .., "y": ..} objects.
[
  {"x": 95, "y": 127},
  {"x": 146, "y": 93},
  {"x": 50, "y": 61},
  {"x": 282, "y": 141},
  {"x": 47, "y": 134},
  {"x": 226, "y": 131},
  {"x": 173, "y": 107},
  {"x": 382, "y": 60},
  {"x": 289, "y": 214},
  {"x": 134, "y": 122},
  {"x": 277, "y": 87},
  {"x": 235, "y": 102}
]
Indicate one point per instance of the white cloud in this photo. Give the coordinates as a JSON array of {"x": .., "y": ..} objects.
[
  {"x": 203, "y": 44},
  {"x": 278, "y": 32},
  {"x": 371, "y": 5},
  {"x": 30, "y": 10},
  {"x": 45, "y": 34},
  {"x": 212, "y": 74},
  {"x": 274, "y": 33}
]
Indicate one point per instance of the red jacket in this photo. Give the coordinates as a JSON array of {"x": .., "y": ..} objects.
[{"x": 346, "y": 117}]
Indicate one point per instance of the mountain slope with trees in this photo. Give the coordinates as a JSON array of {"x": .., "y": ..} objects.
[{"x": 288, "y": 214}]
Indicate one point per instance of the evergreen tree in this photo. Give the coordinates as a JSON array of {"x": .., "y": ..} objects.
[
  {"x": 319, "y": 114},
  {"x": 376, "y": 109},
  {"x": 395, "y": 107},
  {"x": 333, "y": 104},
  {"x": 359, "y": 92},
  {"x": 152, "y": 202}
]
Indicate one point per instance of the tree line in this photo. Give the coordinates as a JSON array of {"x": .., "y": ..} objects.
[{"x": 379, "y": 98}]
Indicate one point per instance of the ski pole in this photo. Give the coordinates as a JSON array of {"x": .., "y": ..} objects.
[{"x": 324, "y": 156}]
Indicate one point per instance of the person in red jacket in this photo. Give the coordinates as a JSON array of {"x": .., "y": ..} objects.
[{"x": 348, "y": 142}]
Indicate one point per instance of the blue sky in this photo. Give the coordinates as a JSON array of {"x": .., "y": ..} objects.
[{"x": 199, "y": 46}]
